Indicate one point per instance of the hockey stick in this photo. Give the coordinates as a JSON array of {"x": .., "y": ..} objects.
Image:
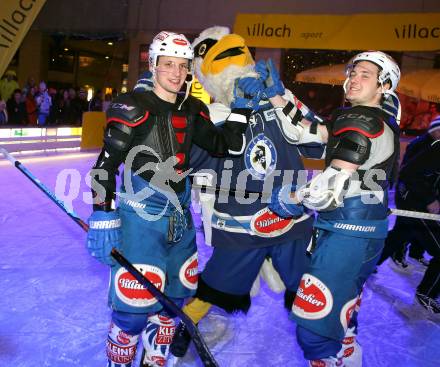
[
  {"x": 43, "y": 188},
  {"x": 200, "y": 345},
  {"x": 261, "y": 195}
]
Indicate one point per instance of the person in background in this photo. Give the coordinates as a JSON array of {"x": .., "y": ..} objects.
[
  {"x": 17, "y": 114},
  {"x": 8, "y": 84},
  {"x": 44, "y": 104},
  {"x": 31, "y": 107},
  {"x": 81, "y": 105},
  {"x": 418, "y": 189},
  {"x": 30, "y": 83},
  {"x": 107, "y": 102},
  {"x": 96, "y": 102},
  {"x": 3, "y": 112}
]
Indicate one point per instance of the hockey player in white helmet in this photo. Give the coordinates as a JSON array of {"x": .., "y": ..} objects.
[
  {"x": 151, "y": 132},
  {"x": 350, "y": 196}
]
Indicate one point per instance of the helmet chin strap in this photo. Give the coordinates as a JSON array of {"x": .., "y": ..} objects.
[{"x": 188, "y": 81}]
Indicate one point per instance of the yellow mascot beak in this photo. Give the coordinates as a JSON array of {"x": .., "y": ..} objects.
[{"x": 229, "y": 50}]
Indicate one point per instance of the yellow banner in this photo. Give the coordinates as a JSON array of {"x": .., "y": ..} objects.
[
  {"x": 16, "y": 17},
  {"x": 388, "y": 32}
]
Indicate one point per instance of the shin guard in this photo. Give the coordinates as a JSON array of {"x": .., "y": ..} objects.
[
  {"x": 156, "y": 340},
  {"x": 121, "y": 347}
]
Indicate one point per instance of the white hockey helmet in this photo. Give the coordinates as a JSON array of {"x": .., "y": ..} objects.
[
  {"x": 389, "y": 70},
  {"x": 169, "y": 44}
]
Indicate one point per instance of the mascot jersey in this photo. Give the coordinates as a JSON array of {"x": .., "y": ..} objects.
[{"x": 268, "y": 161}]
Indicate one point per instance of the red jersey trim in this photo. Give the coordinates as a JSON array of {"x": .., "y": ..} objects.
[
  {"x": 131, "y": 124},
  {"x": 204, "y": 115},
  {"x": 360, "y": 131},
  {"x": 179, "y": 122}
]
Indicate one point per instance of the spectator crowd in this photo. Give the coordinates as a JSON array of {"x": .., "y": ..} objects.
[{"x": 37, "y": 105}]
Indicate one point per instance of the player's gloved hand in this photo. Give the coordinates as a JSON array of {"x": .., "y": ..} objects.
[
  {"x": 283, "y": 204},
  {"x": 242, "y": 100},
  {"x": 104, "y": 234},
  {"x": 325, "y": 191},
  {"x": 273, "y": 83}
]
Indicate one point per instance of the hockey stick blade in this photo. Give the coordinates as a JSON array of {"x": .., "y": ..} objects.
[
  {"x": 200, "y": 345},
  {"x": 17, "y": 164}
]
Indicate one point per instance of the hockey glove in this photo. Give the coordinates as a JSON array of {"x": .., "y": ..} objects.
[
  {"x": 104, "y": 234},
  {"x": 242, "y": 100},
  {"x": 283, "y": 204},
  {"x": 326, "y": 191},
  {"x": 273, "y": 83},
  {"x": 251, "y": 86},
  {"x": 261, "y": 69},
  {"x": 145, "y": 82}
]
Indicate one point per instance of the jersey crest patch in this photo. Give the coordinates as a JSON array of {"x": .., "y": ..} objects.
[{"x": 260, "y": 157}]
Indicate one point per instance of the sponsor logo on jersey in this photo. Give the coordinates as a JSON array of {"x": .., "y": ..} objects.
[
  {"x": 348, "y": 352},
  {"x": 123, "y": 338},
  {"x": 165, "y": 334},
  {"x": 269, "y": 115},
  {"x": 354, "y": 116},
  {"x": 264, "y": 223},
  {"x": 120, "y": 354},
  {"x": 189, "y": 272},
  {"x": 313, "y": 299},
  {"x": 321, "y": 363},
  {"x": 354, "y": 227},
  {"x": 260, "y": 157},
  {"x": 347, "y": 312},
  {"x": 131, "y": 292}
]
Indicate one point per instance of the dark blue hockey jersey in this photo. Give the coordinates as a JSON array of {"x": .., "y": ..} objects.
[{"x": 240, "y": 217}]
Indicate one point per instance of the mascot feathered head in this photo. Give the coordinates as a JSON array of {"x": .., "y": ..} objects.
[{"x": 221, "y": 57}]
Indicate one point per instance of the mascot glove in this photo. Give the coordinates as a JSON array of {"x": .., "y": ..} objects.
[
  {"x": 104, "y": 234},
  {"x": 283, "y": 204},
  {"x": 261, "y": 70},
  {"x": 145, "y": 82},
  {"x": 242, "y": 100},
  {"x": 251, "y": 86},
  {"x": 273, "y": 83}
]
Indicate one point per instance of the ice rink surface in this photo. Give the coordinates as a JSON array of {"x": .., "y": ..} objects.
[{"x": 53, "y": 308}]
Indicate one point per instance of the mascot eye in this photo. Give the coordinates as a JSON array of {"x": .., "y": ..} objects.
[
  {"x": 236, "y": 51},
  {"x": 202, "y": 49}
]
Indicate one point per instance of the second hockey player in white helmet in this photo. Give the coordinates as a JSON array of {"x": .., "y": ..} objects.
[{"x": 350, "y": 196}]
